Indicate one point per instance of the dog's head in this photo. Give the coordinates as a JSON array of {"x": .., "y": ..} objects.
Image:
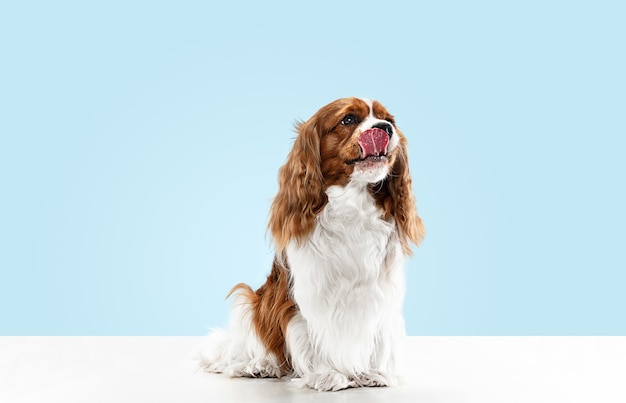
[{"x": 349, "y": 140}]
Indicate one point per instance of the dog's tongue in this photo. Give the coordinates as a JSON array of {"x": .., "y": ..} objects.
[{"x": 373, "y": 142}]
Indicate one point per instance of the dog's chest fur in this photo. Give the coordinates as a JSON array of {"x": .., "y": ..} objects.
[{"x": 348, "y": 257}]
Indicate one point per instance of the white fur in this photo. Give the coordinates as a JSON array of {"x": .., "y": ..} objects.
[
  {"x": 349, "y": 286},
  {"x": 238, "y": 352},
  {"x": 348, "y": 283}
]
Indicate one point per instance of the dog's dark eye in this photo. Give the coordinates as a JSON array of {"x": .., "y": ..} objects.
[{"x": 349, "y": 119}]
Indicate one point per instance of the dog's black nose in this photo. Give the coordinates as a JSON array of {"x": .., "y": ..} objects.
[{"x": 384, "y": 126}]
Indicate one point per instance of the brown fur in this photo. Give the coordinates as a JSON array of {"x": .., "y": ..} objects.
[
  {"x": 272, "y": 310},
  {"x": 395, "y": 196},
  {"x": 317, "y": 161}
]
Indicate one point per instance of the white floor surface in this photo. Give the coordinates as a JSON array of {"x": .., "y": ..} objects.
[{"x": 440, "y": 369}]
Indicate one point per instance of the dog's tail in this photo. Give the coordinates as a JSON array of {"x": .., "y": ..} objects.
[
  {"x": 218, "y": 351},
  {"x": 238, "y": 351}
]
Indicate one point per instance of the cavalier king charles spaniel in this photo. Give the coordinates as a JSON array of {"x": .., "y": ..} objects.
[{"x": 330, "y": 311}]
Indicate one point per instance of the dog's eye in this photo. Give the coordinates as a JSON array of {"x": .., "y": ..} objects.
[{"x": 349, "y": 119}]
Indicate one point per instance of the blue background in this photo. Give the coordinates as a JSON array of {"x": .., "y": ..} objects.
[{"x": 140, "y": 143}]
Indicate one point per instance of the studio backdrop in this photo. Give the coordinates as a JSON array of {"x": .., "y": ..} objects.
[{"x": 140, "y": 144}]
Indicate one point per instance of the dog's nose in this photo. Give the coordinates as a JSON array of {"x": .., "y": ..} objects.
[{"x": 385, "y": 127}]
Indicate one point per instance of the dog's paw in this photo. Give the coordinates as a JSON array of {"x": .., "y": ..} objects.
[
  {"x": 208, "y": 365},
  {"x": 376, "y": 379},
  {"x": 328, "y": 381},
  {"x": 257, "y": 369}
]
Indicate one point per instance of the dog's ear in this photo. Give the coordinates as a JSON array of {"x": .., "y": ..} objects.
[
  {"x": 395, "y": 195},
  {"x": 300, "y": 194}
]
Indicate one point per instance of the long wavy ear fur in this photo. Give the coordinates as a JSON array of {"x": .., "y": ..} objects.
[
  {"x": 395, "y": 196},
  {"x": 300, "y": 193}
]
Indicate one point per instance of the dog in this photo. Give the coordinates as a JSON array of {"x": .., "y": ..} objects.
[{"x": 330, "y": 312}]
